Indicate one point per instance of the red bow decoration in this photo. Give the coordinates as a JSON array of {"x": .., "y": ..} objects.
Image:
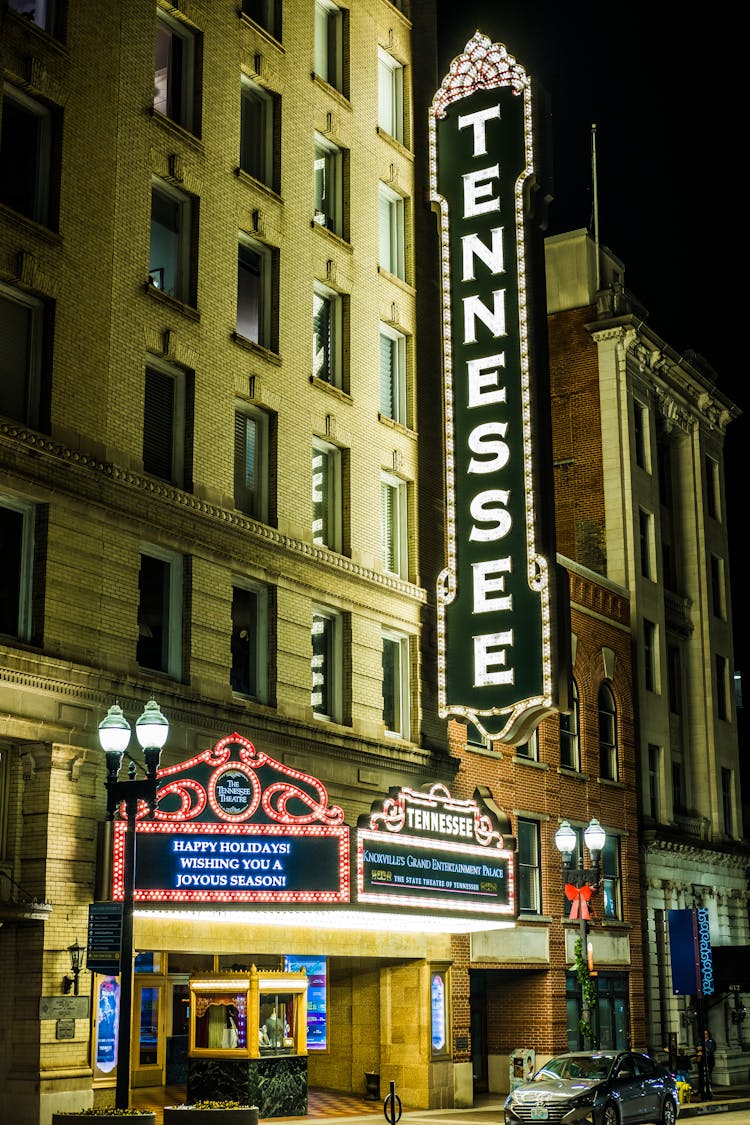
[{"x": 579, "y": 897}]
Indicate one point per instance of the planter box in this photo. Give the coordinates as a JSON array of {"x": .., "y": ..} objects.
[
  {"x": 146, "y": 1117},
  {"x": 189, "y": 1115}
]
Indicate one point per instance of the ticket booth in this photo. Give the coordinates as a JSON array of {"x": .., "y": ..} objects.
[{"x": 248, "y": 1040}]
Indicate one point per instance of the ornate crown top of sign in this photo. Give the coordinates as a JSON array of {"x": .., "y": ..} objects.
[
  {"x": 482, "y": 65},
  {"x": 273, "y": 791}
]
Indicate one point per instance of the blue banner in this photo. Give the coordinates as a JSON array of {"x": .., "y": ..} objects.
[{"x": 690, "y": 951}]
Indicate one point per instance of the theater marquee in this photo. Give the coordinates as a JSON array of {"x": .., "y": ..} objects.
[
  {"x": 427, "y": 850},
  {"x": 233, "y": 825},
  {"x": 498, "y": 665}
]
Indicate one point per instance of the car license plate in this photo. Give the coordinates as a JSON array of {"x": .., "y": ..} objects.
[{"x": 539, "y": 1113}]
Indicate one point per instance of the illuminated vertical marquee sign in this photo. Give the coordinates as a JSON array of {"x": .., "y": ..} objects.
[{"x": 494, "y": 598}]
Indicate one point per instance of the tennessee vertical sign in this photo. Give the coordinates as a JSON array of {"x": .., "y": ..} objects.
[{"x": 497, "y": 664}]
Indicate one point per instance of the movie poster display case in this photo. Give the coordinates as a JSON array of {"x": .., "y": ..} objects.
[{"x": 248, "y": 1040}]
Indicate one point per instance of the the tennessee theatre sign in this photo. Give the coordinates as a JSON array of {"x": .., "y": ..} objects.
[
  {"x": 498, "y": 665},
  {"x": 233, "y": 825}
]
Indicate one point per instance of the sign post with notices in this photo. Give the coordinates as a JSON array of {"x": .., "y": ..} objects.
[{"x": 104, "y": 938}]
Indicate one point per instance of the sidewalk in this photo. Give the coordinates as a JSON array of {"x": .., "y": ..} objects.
[{"x": 725, "y": 1098}]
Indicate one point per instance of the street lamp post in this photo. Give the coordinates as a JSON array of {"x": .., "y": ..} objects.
[
  {"x": 135, "y": 795},
  {"x": 580, "y": 884}
]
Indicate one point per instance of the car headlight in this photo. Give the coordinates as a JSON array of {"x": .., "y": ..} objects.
[{"x": 585, "y": 1099}]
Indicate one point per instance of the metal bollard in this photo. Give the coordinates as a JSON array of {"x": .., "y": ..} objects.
[{"x": 392, "y": 1106}]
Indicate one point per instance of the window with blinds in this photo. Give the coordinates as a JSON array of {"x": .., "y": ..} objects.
[
  {"x": 251, "y": 463},
  {"x": 393, "y": 525},
  {"x": 161, "y": 447},
  {"x": 323, "y": 640},
  {"x": 393, "y": 374},
  {"x": 390, "y": 95}
]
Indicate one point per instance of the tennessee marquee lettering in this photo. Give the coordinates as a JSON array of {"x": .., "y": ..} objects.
[{"x": 491, "y": 452}]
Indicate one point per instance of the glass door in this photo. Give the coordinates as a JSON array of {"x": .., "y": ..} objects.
[{"x": 148, "y": 1049}]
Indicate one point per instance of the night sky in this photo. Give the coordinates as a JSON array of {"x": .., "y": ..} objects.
[{"x": 662, "y": 86}]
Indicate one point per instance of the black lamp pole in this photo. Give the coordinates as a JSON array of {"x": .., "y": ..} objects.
[
  {"x": 566, "y": 840},
  {"x": 134, "y": 795}
]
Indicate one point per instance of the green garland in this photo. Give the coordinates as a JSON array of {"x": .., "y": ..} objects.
[{"x": 588, "y": 989}]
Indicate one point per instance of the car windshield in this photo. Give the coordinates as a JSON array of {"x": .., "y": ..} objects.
[{"x": 593, "y": 1067}]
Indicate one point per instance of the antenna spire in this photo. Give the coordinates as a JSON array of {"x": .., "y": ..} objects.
[{"x": 596, "y": 202}]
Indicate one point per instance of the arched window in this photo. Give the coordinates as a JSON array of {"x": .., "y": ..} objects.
[
  {"x": 607, "y": 733},
  {"x": 570, "y": 746}
]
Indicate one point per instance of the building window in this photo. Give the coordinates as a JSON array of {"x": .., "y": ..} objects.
[
  {"x": 393, "y": 526},
  {"x": 674, "y": 679},
  {"x": 255, "y": 294},
  {"x": 529, "y": 867},
  {"x": 713, "y": 488},
  {"x": 722, "y": 686},
  {"x": 474, "y": 736},
  {"x": 570, "y": 748},
  {"x": 259, "y": 111},
  {"x": 266, "y": 13},
  {"x": 654, "y": 775},
  {"x": 390, "y": 95},
  {"x": 641, "y": 435},
  {"x": 21, "y": 333},
  {"x": 679, "y": 798},
  {"x": 530, "y": 748},
  {"x": 646, "y": 533},
  {"x": 159, "y": 645},
  {"x": 718, "y": 589},
  {"x": 607, "y": 733},
  {"x": 328, "y": 336},
  {"x": 44, "y": 13},
  {"x": 329, "y": 44},
  {"x": 25, "y": 155},
  {"x": 396, "y": 709},
  {"x": 393, "y": 374},
  {"x": 610, "y": 877},
  {"x": 391, "y": 254},
  {"x": 650, "y": 655},
  {"x": 326, "y": 495},
  {"x": 326, "y": 664},
  {"x": 251, "y": 462},
  {"x": 249, "y": 646},
  {"x": 727, "y": 785},
  {"x": 328, "y": 201},
  {"x": 175, "y": 72},
  {"x": 170, "y": 263},
  {"x": 16, "y": 568},
  {"x": 165, "y": 424}
]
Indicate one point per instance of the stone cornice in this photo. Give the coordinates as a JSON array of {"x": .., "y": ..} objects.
[{"x": 202, "y": 522}]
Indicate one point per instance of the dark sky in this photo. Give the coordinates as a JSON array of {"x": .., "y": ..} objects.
[{"x": 661, "y": 83}]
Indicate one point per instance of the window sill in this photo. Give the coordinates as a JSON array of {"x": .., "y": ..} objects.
[
  {"x": 574, "y": 775},
  {"x": 613, "y": 781},
  {"x": 399, "y": 426},
  {"x": 45, "y": 37},
  {"x": 518, "y": 759},
  {"x": 394, "y": 142},
  {"x": 257, "y": 349},
  {"x": 339, "y": 239},
  {"x": 342, "y": 99},
  {"x": 173, "y": 302},
  {"x": 403, "y": 284},
  {"x": 176, "y": 130},
  {"x": 251, "y": 181},
  {"x": 33, "y": 225},
  {"x": 248, "y": 22},
  {"x": 331, "y": 389}
]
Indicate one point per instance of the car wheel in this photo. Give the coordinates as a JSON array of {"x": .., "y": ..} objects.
[
  {"x": 610, "y": 1115},
  {"x": 669, "y": 1113}
]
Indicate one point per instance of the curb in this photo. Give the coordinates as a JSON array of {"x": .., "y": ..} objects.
[{"x": 701, "y": 1109}]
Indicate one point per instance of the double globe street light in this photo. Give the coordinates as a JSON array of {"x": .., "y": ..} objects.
[
  {"x": 580, "y": 884},
  {"x": 134, "y": 796}
]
